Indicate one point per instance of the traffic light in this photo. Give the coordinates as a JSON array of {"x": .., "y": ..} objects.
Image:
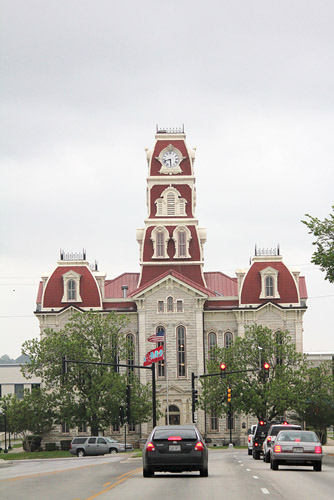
[
  {"x": 222, "y": 369},
  {"x": 194, "y": 399},
  {"x": 128, "y": 404},
  {"x": 266, "y": 367},
  {"x": 229, "y": 394}
]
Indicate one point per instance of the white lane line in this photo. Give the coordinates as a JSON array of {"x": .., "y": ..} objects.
[
  {"x": 256, "y": 477},
  {"x": 265, "y": 491},
  {"x": 248, "y": 470},
  {"x": 242, "y": 465}
]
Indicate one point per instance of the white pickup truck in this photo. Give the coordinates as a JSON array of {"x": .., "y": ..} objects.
[{"x": 250, "y": 438}]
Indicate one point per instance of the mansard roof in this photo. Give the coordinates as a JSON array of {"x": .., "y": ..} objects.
[{"x": 222, "y": 284}]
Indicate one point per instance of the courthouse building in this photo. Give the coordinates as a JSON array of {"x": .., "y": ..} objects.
[{"x": 173, "y": 294}]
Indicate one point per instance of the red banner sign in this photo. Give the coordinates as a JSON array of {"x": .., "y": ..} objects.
[{"x": 154, "y": 356}]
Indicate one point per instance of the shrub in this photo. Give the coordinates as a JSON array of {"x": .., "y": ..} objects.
[
  {"x": 50, "y": 446},
  {"x": 32, "y": 443},
  {"x": 65, "y": 444}
]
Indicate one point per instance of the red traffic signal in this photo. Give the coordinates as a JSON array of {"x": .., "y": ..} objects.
[
  {"x": 266, "y": 366},
  {"x": 223, "y": 366}
]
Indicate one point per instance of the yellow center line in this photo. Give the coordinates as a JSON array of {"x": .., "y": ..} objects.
[
  {"x": 37, "y": 474},
  {"x": 122, "y": 479}
]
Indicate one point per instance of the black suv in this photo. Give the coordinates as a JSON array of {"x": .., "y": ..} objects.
[{"x": 259, "y": 436}]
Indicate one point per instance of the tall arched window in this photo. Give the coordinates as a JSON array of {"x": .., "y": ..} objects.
[
  {"x": 182, "y": 242},
  {"x": 212, "y": 343},
  {"x": 160, "y": 237},
  {"x": 71, "y": 290},
  {"x": 228, "y": 339},
  {"x": 181, "y": 351},
  {"x": 161, "y": 364},
  {"x": 269, "y": 286},
  {"x": 170, "y": 304},
  {"x": 130, "y": 340}
]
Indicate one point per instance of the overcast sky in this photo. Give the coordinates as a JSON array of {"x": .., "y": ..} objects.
[{"x": 84, "y": 84}]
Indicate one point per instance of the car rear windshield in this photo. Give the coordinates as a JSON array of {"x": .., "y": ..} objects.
[
  {"x": 305, "y": 437},
  {"x": 275, "y": 430},
  {"x": 79, "y": 440},
  {"x": 182, "y": 433}
]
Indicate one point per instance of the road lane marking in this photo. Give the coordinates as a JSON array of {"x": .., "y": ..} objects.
[
  {"x": 248, "y": 470},
  {"x": 265, "y": 491},
  {"x": 36, "y": 474},
  {"x": 107, "y": 484},
  {"x": 256, "y": 477},
  {"x": 124, "y": 477}
]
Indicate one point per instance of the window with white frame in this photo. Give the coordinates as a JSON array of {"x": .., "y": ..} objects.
[
  {"x": 179, "y": 306},
  {"x": 170, "y": 203},
  {"x": 160, "y": 237},
  {"x": 161, "y": 307},
  {"x": 170, "y": 304},
  {"x": 181, "y": 351},
  {"x": 182, "y": 238},
  {"x": 212, "y": 344},
  {"x": 269, "y": 283},
  {"x": 228, "y": 339},
  {"x": 71, "y": 287}
]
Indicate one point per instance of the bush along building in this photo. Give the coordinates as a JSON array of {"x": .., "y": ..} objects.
[{"x": 172, "y": 295}]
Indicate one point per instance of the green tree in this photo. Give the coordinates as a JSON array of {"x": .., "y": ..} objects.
[
  {"x": 316, "y": 407},
  {"x": 33, "y": 414},
  {"x": 252, "y": 392},
  {"x": 324, "y": 234},
  {"x": 90, "y": 394}
]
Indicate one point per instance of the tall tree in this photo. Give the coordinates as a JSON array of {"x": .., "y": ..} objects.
[
  {"x": 88, "y": 393},
  {"x": 33, "y": 414},
  {"x": 324, "y": 234},
  {"x": 252, "y": 392}
]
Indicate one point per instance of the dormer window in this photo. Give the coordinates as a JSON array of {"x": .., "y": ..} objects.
[
  {"x": 182, "y": 237},
  {"x": 71, "y": 287},
  {"x": 170, "y": 203},
  {"x": 269, "y": 283},
  {"x": 160, "y": 237},
  {"x": 71, "y": 290}
]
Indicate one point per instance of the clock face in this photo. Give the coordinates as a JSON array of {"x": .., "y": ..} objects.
[{"x": 170, "y": 159}]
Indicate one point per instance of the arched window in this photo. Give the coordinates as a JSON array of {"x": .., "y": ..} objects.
[
  {"x": 130, "y": 341},
  {"x": 174, "y": 415},
  {"x": 182, "y": 238},
  {"x": 181, "y": 351},
  {"x": 182, "y": 243},
  {"x": 170, "y": 304},
  {"x": 279, "y": 343},
  {"x": 212, "y": 343},
  {"x": 228, "y": 339},
  {"x": 71, "y": 290},
  {"x": 170, "y": 203},
  {"x": 161, "y": 364},
  {"x": 160, "y": 237},
  {"x": 269, "y": 286}
]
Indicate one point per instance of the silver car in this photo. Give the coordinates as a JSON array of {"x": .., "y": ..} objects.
[
  {"x": 95, "y": 445},
  {"x": 296, "y": 448}
]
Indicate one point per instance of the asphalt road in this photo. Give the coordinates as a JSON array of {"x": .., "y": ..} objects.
[{"x": 233, "y": 475}]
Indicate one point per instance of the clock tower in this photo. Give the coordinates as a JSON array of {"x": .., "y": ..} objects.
[{"x": 171, "y": 239}]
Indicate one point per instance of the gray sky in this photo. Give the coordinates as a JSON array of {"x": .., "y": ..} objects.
[{"x": 84, "y": 84}]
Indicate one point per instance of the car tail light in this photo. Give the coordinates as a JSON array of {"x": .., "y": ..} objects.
[
  {"x": 297, "y": 440},
  {"x": 150, "y": 447},
  {"x": 174, "y": 438},
  {"x": 277, "y": 448},
  {"x": 199, "y": 446},
  {"x": 268, "y": 439},
  {"x": 249, "y": 439},
  {"x": 318, "y": 449},
  {"x": 256, "y": 444}
]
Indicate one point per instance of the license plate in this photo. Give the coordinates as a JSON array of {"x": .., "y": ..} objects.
[
  {"x": 174, "y": 447},
  {"x": 297, "y": 450}
]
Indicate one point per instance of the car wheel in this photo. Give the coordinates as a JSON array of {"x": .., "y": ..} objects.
[
  {"x": 256, "y": 455},
  {"x": 317, "y": 466},
  {"x": 147, "y": 473},
  {"x": 274, "y": 465},
  {"x": 81, "y": 453},
  {"x": 113, "y": 450},
  {"x": 266, "y": 458},
  {"x": 204, "y": 472},
  {"x": 249, "y": 451}
]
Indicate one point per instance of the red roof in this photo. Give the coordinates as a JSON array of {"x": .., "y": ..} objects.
[
  {"x": 113, "y": 288},
  {"x": 222, "y": 284},
  {"x": 54, "y": 290},
  {"x": 251, "y": 288}
]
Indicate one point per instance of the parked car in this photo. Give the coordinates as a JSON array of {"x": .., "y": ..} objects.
[
  {"x": 175, "y": 448},
  {"x": 259, "y": 436},
  {"x": 271, "y": 437},
  {"x": 296, "y": 448},
  {"x": 251, "y": 438},
  {"x": 96, "y": 445}
]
